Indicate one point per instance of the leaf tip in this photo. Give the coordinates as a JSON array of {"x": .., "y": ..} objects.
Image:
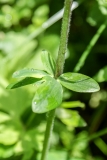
[
  {"x": 15, "y": 74},
  {"x": 9, "y": 87}
]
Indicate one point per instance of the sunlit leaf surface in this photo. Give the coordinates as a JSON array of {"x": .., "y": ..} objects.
[
  {"x": 48, "y": 95},
  {"x": 79, "y": 82},
  {"x": 29, "y": 73}
]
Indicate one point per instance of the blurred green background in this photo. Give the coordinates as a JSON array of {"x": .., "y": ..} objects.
[{"x": 80, "y": 131}]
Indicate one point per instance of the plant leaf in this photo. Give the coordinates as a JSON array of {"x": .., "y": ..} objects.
[
  {"x": 29, "y": 73},
  {"x": 73, "y": 104},
  {"x": 56, "y": 155},
  {"x": 48, "y": 62},
  {"x": 4, "y": 117},
  {"x": 8, "y": 135},
  {"x": 48, "y": 95},
  {"x": 78, "y": 82},
  {"x": 70, "y": 118},
  {"x": 23, "y": 82},
  {"x": 101, "y": 76}
]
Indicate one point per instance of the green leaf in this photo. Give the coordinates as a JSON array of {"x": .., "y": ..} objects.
[
  {"x": 70, "y": 118},
  {"x": 103, "y": 6},
  {"x": 33, "y": 138},
  {"x": 8, "y": 135},
  {"x": 61, "y": 155},
  {"x": 73, "y": 104},
  {"x": 28, "y": 154},
  {"x": 23, "y": 82},
  {"x": 48, "y": 62},
  {"x": 101, "y": 76},
  {"x": 4, "y": 117},
  {"x": 48, "y": 95},
  {"x": 55, "y": 155},
  {"x": 29, "y": 73},
  {"x": 78, "y": 82},
  {"x": 6, "y": 152}
]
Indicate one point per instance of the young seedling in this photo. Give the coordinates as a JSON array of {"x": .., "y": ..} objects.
[{"x": 48, "y": 82}]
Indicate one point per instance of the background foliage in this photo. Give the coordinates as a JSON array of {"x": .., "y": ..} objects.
[{"x": 80, "y": 131}]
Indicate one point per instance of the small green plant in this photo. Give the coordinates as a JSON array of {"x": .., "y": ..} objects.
[
  {"x": 49, "y": 92},
  {"x": 48, "y": 82}
]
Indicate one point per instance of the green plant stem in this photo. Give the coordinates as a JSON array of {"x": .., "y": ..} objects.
[
  {"x": 59, "y": 70},
  {"x": 64, "y": 38},
  {"x": 89, "y": 47},
  {"x": 101, "y": 145},
  {"x": 49, "y": 128},
  {"x": 97, "y": 134}
]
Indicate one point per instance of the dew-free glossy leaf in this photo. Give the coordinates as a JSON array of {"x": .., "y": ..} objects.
[
  {"x": 48, "y": 62},
  {"x": 78, "y": 82},
  {"x": 23, "y": 82},
  {"x": 48, "y": 95},
  {"x": 29, "y": 73}
]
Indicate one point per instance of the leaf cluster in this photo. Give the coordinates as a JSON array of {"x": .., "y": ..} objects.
[{"x": 48, "y": 90}]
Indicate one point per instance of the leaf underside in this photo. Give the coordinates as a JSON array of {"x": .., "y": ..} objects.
[{"x": 78, "y": 82}]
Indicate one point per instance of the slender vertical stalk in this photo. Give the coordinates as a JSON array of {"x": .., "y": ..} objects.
[
  {"x": 59, "y": 70},
  {"x": 64, "y": 38},
  {"x": 49, "y": 128}
]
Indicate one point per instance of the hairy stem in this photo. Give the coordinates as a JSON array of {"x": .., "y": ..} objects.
[
  {"x": 64, "y": 38},
  {"x": 59, "y": 70}
]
